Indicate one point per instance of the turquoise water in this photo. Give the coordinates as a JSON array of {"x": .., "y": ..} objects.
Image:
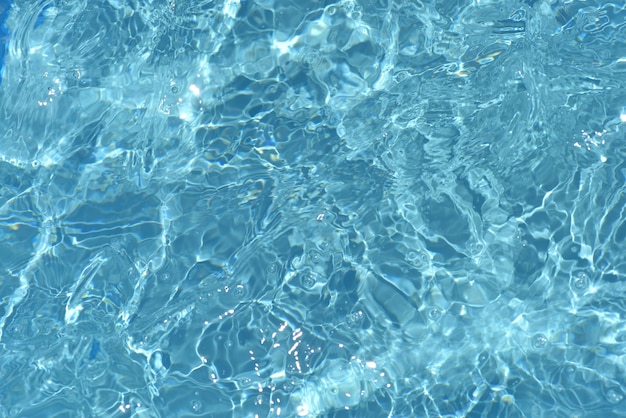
[{"x": 265, "y": 208}]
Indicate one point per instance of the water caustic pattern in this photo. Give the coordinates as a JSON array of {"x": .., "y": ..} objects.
[
  {"x": 5, "y": 5},
  {"x": 266, "y": 208}
]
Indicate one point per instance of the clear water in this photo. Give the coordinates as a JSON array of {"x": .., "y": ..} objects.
[{"x": 267, "y": 208}]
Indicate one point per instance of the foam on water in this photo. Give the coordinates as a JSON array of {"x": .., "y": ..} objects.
[{"x": 277, "y": 208}]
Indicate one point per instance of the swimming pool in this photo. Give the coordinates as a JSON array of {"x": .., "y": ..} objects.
[{"x": 265, "y": 208}]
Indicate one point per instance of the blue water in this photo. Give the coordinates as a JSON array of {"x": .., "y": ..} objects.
[
  {"x": 5, "y": 5},
  {"x": 267, "y": 208}
]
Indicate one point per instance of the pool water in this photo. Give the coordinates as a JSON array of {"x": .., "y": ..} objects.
[{"x": 282, "y": 208}]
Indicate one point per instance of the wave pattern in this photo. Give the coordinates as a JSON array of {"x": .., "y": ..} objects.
[{"x": 339, "y": 209}]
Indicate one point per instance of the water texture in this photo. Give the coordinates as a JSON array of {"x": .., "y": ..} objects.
[
  {"x": 5, "y": 5},
  {"x": 268, "y": 208}
]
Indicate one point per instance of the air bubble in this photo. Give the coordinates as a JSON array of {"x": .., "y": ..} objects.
[
  {"x": 570, "y": 369},
  {"x": 539, "y": 341},
  {"x": 354, "y": 319},
  {"x": 512, "y": 383},
  {"x": 400, "y": 76},
  {"x": 579, "y": 282},
  {"x": 475, "y": 248},
  {"x": 411, "y": 256},
  {"x": 434, "y": 314},
  {"x": 239, "y": 291},
  {"x": 341, "y": 130},
  {"x": 308, "y": 281},
  {"x": 417, "y": 258},
  {"x": 614, "y": 396},
  {"x": 315, "y": 257},
  {"x": 196, "y": 405},
  {"x": 310, "y": 57},
  {"x": 272, "y": 269}
]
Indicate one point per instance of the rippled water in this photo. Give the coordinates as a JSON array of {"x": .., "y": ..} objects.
[{"x": 262, "y": 208}]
